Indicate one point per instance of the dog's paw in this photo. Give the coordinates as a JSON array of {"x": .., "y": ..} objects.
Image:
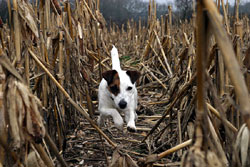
[
  {"x": 119, "y": 125},
  {"x": 131, "y": 126},
  {"x": 131, "y": 129}
]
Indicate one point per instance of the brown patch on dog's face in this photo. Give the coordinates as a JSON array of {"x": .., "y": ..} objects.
[
  {"x": 114, "y": 87},
  {"x": 134, "y": 75},
  {"x": 113, "y": 80}
]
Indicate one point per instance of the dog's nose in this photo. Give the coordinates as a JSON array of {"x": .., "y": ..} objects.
[{"x": 122, "y": 104}]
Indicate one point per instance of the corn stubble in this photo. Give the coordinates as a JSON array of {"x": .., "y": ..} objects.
[{"x": 52, "y": 58}]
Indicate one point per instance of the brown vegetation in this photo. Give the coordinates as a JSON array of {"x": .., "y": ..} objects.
[{"x": 193, "y": 96}]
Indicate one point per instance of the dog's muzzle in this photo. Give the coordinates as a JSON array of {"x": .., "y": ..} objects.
[{"x": 122, "y": 104}]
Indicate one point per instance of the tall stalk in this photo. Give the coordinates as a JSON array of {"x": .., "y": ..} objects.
[
  {"x": 17, "y": 32},
  {"x": 202, "y": 44}
]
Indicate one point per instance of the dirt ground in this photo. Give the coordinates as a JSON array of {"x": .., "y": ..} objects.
[{"x": 86, "y": 148}]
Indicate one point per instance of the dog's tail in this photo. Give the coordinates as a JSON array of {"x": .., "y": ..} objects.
[{"x": 115, "y": 59}]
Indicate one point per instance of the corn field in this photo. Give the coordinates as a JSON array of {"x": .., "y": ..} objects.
[{"x": 194, "y": 105}]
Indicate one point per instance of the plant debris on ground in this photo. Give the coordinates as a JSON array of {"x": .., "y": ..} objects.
[{"x": 194, "y": 107}]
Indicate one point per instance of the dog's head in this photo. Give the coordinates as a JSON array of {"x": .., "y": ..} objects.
[{"x": 122, "y": 87}]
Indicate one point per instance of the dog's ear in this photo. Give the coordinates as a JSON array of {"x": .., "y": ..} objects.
[
  {"x": 134, "y": 76},
  {"x": 109, "y": 76}
]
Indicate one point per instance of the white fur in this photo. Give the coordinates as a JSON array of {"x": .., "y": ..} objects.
[
  {"x": 108, "y": 103},
  {"x": 115, "y": 59}
]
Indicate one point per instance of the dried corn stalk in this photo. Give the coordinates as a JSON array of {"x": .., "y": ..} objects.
[
  {"x": 199, "y": 155},
  {"x": 22, "y": 110}
]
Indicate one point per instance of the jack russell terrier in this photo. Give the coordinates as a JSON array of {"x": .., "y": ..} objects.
[{"x": 117, "y": 92}]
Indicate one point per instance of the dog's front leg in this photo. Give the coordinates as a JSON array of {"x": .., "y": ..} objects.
[
  {"x": 104, "y": 112},
  {"x": 130, "y": 117}
]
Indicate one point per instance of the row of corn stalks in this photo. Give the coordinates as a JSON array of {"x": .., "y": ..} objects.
[{"x": 52, "y": 56}]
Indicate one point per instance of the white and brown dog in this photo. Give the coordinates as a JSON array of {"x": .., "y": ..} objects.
[{"x": 117, "y": 92}]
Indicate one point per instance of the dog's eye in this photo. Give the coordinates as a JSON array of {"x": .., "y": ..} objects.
[
  {"x": 129, "y": 88},
  {"x": 114, "y": 89}
]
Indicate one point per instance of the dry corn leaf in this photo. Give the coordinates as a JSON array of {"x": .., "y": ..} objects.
[
  {"x": 20, "y": 110},
  {"x": 115, "y": 159},
  {"x": 34, "y": 124},
  {"x": 27, "y": 14},
  {"x": 23, "y": 113},
  {"x": 243, "y": 145},
  {"x": 129, "y": 161},
  {"x": 213, "y": 160},
  {"x": 34, "y": 160},
  {"x": 194, "y": 157},
  {"x": 5, "y": 62},
  {"x": 122, "y": 160},
  {"x": 12, "y": 113}
]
